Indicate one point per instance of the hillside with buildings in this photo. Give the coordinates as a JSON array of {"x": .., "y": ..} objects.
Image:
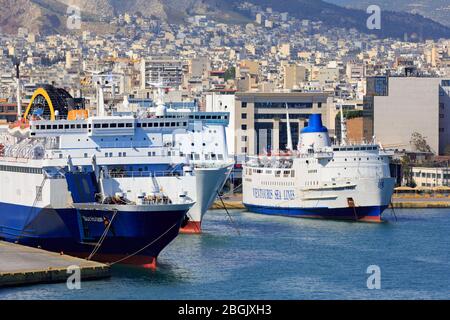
[
  {"x": 438, "y": 10},
  {"x": 50, "y": 16}
]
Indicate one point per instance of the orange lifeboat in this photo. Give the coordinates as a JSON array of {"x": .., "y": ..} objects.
[{"x": 20, "y": 128}]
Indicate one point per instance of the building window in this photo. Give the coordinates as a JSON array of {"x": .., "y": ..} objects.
[
  {"x": 244, "y": 116},
  {"x": 244, "y": 127},
  {"x": 244, "y": 105}
]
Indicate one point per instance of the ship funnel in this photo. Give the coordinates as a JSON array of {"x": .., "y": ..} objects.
[{"x": 315, "y": 135}]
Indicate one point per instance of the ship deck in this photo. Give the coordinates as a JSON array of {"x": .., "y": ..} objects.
[{"x": 20, "y": 266}]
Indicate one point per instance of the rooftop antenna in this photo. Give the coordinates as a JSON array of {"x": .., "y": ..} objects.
[{"x": 289, "y": 133}]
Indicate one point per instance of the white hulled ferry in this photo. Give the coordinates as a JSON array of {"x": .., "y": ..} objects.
[{"x": 343, "y": 182}]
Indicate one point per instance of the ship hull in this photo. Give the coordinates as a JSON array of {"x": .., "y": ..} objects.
[
  {"x": 75, "y": 231},
  {"x": 203, "y": 187},
  {"x": 360, "y": 214}
]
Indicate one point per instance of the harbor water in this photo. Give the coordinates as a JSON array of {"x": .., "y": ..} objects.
[{"x": 285, "y": 258}]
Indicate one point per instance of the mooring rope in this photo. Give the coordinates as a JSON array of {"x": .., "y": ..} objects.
[
  {"x": 145, "y": 247},
  {"x": 103, "y": 237},
  {"x": 36, "y": 199},
  {"x": 228, "y": 214}
]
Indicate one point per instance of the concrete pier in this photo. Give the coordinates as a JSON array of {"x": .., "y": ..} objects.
[{"x": 21, "y": 265}]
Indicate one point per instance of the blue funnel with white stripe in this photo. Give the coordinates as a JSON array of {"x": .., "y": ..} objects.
[
  {"x": 315, "y": 135},
  {"x": 315, "y": 124}
]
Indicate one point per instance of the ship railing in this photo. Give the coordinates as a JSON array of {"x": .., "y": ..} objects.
[
  {"x": 127, "y": 145},
  {"x": 144, "y": 174},
  {"x": 56, "y": 176},
  {"x": 15, "y": 159},
  {"x": 212, "y": 165},
  {"x": 157, "y": 201}
]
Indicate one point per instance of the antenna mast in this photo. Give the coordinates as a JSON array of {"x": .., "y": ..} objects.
[
  {"x": 343, "y": 127},
  {"x": 18, "y": 92},
  {"x": 290, "y": 146}
]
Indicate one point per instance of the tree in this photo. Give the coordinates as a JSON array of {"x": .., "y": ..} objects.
[
  {"x": 230, "y": 74},
  {"x": 447, "y": 150},
  {"x": 420, "y": 143},
  {"x": 407, "y": 172}
]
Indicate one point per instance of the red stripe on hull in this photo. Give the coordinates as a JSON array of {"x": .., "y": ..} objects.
[
  {"x": 372, "y": 219},
  {"x": 192, "y": 227},
  {"x": 141, "y": 261}
]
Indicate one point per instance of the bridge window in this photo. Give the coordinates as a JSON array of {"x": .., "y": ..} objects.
[
  {"x": 129, "y": 125},
  {"x": 113, "y": 125},
  {"x": 105, "y": 125},
  {"x": 97, "y": 125}
]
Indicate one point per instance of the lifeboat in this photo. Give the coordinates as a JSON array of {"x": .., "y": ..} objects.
[{"x": 20, "y": 129}]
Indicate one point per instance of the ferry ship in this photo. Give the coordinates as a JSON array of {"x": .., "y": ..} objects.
[
  {"x": 341, "y": 182},
  {"x": 202, "y": 140},
  {"x": 110, "y": 188}
]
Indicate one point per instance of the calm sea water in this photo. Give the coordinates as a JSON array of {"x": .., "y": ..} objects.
[{"x": 284, "y": 258}]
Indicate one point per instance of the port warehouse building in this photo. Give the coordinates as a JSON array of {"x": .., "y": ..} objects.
[{"x": 258, "y": 120}]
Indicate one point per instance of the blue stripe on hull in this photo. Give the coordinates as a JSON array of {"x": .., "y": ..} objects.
[
  {"x": 66, "y": 230},
  {"x": 372, "y": 213}
]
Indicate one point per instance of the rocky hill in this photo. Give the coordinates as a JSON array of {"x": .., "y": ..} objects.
[
  {"x": 438, "y": 10},
  {"x": 48, "y": 16}
]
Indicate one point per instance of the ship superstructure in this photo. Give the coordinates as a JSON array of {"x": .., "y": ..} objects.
[{"x": 201, "y": 139}]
